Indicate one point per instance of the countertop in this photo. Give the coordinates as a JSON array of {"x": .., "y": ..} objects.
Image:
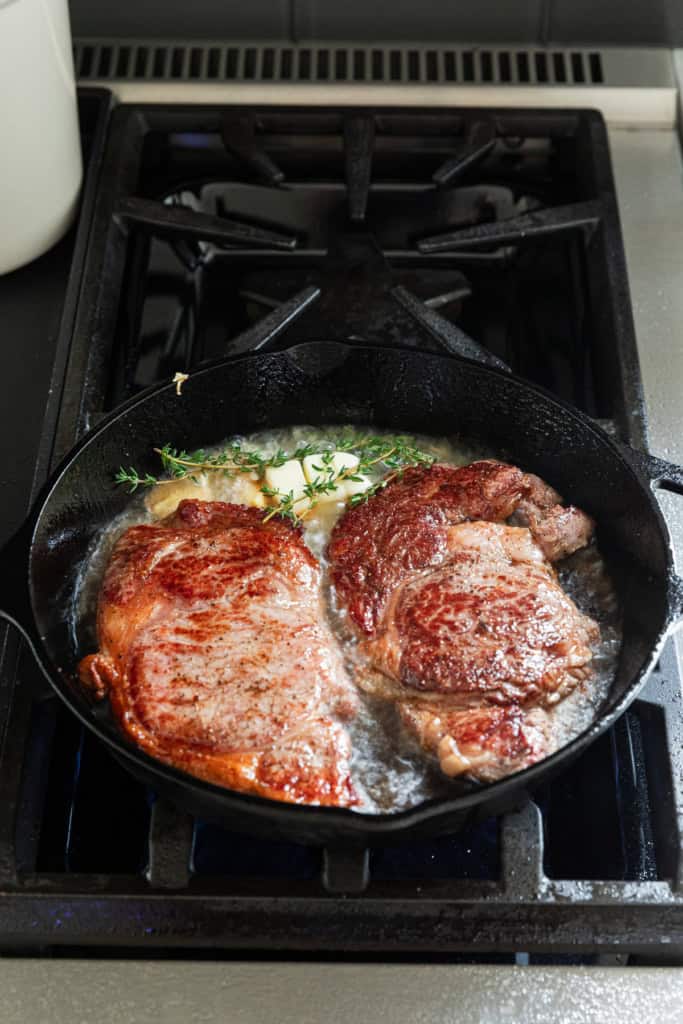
[{"x": 126, "y": 992}]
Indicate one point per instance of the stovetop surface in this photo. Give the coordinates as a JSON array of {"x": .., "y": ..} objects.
[{"x": 205, "y": 222}]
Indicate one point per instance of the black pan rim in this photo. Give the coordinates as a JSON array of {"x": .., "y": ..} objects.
[{"x": 351, "y": 821}]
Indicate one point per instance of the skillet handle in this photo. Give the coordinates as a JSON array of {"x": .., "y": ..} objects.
[
  {"x": 668, "y": 477},
  {"x": 15, "y": 600},
  {"x": 659, "y": 472}
]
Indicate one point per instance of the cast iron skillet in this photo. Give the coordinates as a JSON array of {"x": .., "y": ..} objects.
[{"x": 326, "y": 382}]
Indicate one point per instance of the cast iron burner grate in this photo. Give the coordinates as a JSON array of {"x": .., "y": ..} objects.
[{"x": 223, "y": 231}]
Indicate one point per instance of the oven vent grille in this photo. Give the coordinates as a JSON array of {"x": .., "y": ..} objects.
[{"x": 167, "y": 61}]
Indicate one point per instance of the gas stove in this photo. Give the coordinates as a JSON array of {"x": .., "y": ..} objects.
[{"x": 215, "y": 231}]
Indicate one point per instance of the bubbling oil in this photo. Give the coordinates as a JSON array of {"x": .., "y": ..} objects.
[{"x": 389, "y": 771}]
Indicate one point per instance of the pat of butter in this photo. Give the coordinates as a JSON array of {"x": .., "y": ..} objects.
[
  {"x": 289, "y": 477},
  {"x": 352, "y": 487},
  {"x": 164, "y": 499},
  {"x": 316, "y": 469}
]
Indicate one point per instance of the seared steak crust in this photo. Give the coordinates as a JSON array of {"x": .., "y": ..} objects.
[
  {"x": 491, "y": 622},
  {"x": 404, "y": 527},
  {"x": 464, "y": 622},
  {"x": 217, "y": 657}
]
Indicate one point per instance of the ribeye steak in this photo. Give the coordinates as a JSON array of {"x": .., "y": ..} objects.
[
  {"x": 463, "y": 619},
  {"x": 216, "y": 654}
]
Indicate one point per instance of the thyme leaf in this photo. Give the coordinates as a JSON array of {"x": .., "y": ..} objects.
[{"x": 393, "y": 454}]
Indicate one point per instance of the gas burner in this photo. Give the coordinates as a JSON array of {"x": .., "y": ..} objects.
[{"x": 307, "y": 217}]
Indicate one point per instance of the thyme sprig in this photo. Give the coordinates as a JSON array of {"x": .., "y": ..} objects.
[{"x": 393, "y": 454}]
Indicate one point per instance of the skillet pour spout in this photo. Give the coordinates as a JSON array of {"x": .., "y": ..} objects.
[{"x": 406, "y": 390}]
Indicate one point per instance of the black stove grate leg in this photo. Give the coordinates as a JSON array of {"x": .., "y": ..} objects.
[
  {"x": 359, "y": 141},
  {"x": 180, "y": 222},
  {"x": 572, "y": 217},
  {"x": 261, "y": 336},
  {"x": 239, "y": 138},
  {"x": 449, "y": 335},
  {"x": 479, "y": 141}
]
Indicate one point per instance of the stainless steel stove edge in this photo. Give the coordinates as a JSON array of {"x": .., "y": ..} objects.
[
  {"x": 307, "y": 993},
  {"x": 628, "y": 86}
]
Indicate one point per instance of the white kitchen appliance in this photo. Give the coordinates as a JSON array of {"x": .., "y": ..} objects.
[{"x": 40, "y": 156}]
